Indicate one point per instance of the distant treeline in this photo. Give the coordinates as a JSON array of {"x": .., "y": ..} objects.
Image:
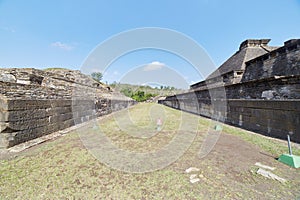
[{"x": 144, "y": 92}]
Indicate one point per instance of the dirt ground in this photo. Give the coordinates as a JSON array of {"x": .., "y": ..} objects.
[{"x": 69, "y": 171}]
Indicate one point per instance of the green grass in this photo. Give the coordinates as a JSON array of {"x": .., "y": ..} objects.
[
  {"x": 275, "y": 147},
  {"x": 65, "y": 169}
]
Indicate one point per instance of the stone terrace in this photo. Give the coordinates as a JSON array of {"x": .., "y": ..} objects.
[
  {"x": 257, "y": 88},
  {"x": 34, "y": 102}
]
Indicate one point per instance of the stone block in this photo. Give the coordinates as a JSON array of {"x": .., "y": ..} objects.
[
  {"x": 3, "y": 104},
  {"x": 20, "y": 115},
  {"x": 3, "y": 142},
  {"x": 6, "y": 77},
  {"x": 59, "y": 110},
  {"x": 3, "y": 126},
  {"x": 69, "y": 123},
  {"x": 60, "y": 118},
  {"x": 61, "y": 103},
  {"x": 27, "y": 104},
  {"x": 4, "y": 116},
  {"x": 24, "y": 125},
  {"x": 296, "y": 105}
]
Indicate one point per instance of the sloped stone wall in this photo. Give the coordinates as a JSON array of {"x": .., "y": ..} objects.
[
  {"x": 267, "y": 100},
  {"x": 282, "y": 62},
  {"x": 23, "y": 120},
  {"x": 50, "y": 102}
]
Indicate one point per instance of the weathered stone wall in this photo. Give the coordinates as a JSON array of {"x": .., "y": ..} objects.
[
  {"x": 269, "y": 88},
  {"x": 23, "y": 120},
  {"x": 267, "y": 100},
  {"x": 31, "y": 108},
  {"x": 282, "y": 62},
  {"x": 274, "y": 118}
]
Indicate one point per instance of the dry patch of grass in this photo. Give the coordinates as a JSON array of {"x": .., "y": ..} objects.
[{"x": 65, "y": 169}]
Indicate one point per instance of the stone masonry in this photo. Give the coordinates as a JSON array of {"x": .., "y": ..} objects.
[
  {"x": 35, "y": 102},
  {"x": 258, "y": 88}
]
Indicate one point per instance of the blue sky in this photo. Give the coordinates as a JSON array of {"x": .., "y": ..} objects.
[{"x": 62, "y": 33}]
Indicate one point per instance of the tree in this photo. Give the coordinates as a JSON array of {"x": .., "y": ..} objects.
[
  {"x": 97, "y": 76},
  {"x": 127, "y": 92},
  {"x": 142, "y": 96}
]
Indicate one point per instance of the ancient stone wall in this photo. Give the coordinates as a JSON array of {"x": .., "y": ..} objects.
[
  {"x": 274, "y": 118},
  {"x": 31, "y": 108},
  {"x": 282, "y": 62},
  {"x": 267, "y": 100}
]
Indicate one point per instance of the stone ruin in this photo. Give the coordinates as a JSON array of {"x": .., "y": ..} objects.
[
  {"x": 257, "y": 88},
  {"x": 261, "y": 84},
  {"x": 35, "y": 102}
]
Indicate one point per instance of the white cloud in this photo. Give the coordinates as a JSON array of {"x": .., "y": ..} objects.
[
  {"x": 156, "y": 65},
  {"x": 63, "y": 46}
]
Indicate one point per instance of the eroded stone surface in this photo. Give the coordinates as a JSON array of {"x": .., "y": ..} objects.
[
  {"x": 258, "y": 88},
  {"x": 41, "y": 102}
]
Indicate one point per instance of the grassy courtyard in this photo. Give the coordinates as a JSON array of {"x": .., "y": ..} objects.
[{"x": 70, "y": 168}]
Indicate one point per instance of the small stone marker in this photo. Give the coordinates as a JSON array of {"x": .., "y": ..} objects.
[
  {"x": 158, "y": 124},
  {"x": 270, "y": 175},
  {"x": 195, "y": 180},
  {"x": 193, "y": 177},
  {"x": 192, "y": 169},
  {"x": 265, "y": 166}
]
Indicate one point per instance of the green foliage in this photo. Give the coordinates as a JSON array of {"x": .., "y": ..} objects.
[
  {"x": 97, "y": 76},
  {"x": 132, "y": 90},
  {"x": 142, "y": 96},
  {"x": 127, "y": 92},
  {"x": 139, "y": 95}
]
